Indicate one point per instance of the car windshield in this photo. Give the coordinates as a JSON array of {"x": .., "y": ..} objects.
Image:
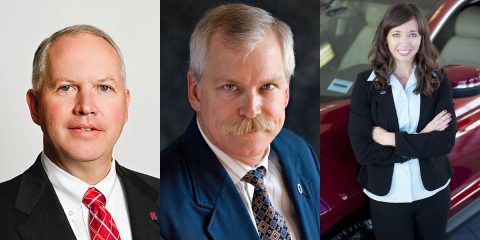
[{"x": 346, "y": 35}]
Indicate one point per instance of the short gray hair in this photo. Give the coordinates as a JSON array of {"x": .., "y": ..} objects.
[
  {"x": 40, "y": 58},
  {"x": 243, "y": 26}
]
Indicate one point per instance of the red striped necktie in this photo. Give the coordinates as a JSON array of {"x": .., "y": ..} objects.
[{"x": 101, "y": 224}]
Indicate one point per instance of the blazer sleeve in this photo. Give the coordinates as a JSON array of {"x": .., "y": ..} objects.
[
  {"x": 360, "y": 126},
  {"x": 434, "y": 143}
]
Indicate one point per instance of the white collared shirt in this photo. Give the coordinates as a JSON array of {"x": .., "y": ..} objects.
[
  {"x": 70, "y": 191},
  {"x": 273, "y": 179},
  {"x": 407, "y": 185}
]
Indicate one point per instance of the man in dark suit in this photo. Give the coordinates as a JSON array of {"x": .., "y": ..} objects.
[
  {"x": 236, "y": 173},
  {"x": 75, "y": 189}
]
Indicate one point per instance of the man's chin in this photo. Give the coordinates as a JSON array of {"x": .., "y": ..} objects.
[
  {"x": 78, "y": 155},
  {"x": 251, "y": 141}
]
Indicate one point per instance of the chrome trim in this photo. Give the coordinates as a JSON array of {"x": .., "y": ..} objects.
[{"x": 444, "y": 19}]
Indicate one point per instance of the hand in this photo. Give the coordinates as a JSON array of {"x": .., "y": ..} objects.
[
  {"x": 383, "y": 137},
  {"x": 438, "y": 123}
]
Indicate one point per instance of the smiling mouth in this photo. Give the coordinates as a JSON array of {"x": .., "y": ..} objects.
[
  {"x": 88, "y": 129},
  {"x": 85, "y": 132},
  {"x": 84, "y": 129},
  {"x": 404, "y": 52}
]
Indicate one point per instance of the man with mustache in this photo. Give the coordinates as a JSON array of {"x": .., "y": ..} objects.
[
  {"x": 236, "y": 173},
  {"x": 75, "y": 189}
]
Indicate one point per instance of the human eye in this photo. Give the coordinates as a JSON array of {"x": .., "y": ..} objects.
[
  {"x": 268, "y": 86},
  {"x": 104, "y": 88},
  {"x": 64, "y": 88},
  {"x": 229, "y": 87},
  {"x": 413, "y": 34},
  {"x": 396, "y": 35}
]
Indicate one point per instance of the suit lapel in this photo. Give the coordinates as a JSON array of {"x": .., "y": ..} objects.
[
  {"x": 386, "y": 115},
  {"x": 425, "y": 104},
  {"x": 214, "y": 190},
  {"x": 45, "y": 218},
  {"x": 142, "y": 201},
  {"x": 299, "y": 189}
]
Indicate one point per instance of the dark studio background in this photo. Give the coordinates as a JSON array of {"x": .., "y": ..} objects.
[{"x": 177, "y": 21}]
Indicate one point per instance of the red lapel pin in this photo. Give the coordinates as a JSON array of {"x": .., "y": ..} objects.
[{"x": 153, "y": 216}]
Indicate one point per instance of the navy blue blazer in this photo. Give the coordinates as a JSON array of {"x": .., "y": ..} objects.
[
  {"x": 30, "y": 209},
  {"x": 200, "y": 201},
  {"x": 371, "y": 108}
]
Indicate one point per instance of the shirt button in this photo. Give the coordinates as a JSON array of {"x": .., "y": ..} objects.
[
  {"x": 70, "y": 213},
  {"x": 299, "y": 188}
]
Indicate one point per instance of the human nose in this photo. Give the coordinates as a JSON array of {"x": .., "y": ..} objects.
[
  {"x": 251, "y": 106},
  {"x": 406, "y": 40},
  {"x": 85, "y": 103}
]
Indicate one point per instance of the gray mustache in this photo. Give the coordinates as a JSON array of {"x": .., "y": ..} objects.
[{"x": 248, "y": 125}]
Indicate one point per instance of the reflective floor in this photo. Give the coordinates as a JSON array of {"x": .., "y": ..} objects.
[{"x": 468, "y": 231}]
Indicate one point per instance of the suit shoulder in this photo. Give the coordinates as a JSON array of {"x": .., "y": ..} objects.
[
  {"x": 290, "y": 141},
  {"x": 289, "y": 137},
  {"x": 364, "y": 74},
  {"x": 150, "y": 181},
  {"x": 290, "y": 144},
  {"x": 8, "y": 197},
  {"x": 9, "y": 187}
]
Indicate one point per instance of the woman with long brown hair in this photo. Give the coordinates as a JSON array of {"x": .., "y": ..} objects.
[{"x": 402, "y": 124}]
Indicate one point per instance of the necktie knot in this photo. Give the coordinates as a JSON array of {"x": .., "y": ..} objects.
[
  {"x": 255, "y": 177},
  {"x": 93, "y": 198}
]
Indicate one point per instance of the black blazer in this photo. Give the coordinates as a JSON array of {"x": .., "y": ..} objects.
[
  {"x": 30, "y": 209},
  {"x": 371, "y": 108},
  {"x": 200, "y": 201}
]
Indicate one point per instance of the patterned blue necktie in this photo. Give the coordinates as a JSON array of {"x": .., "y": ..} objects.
[{"x": 270, "y": 224}]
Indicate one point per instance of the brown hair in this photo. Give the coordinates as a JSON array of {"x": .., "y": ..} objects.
[{"x": 426, "y": 59}]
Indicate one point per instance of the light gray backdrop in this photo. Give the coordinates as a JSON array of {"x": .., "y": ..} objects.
[{"x": 134, "y": 26}]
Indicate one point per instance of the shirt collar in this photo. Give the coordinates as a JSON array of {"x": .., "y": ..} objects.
[
  {"x": 73, "y": 187},
  {"x": 235, "y": 169}
]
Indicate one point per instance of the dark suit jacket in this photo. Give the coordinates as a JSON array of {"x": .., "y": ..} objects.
[
  {"x": 371, "y": 108},
  {"x": 200, "y": 201},
  {"x": 30, "y": 209}
]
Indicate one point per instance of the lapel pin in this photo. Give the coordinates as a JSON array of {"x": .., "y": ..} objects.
[
  {"x": 299, "y": 188},
  {"x": 153, "y": 216}
]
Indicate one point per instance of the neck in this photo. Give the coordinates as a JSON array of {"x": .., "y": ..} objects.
[
  {"x": 402, "y": 72},
  {"x": 403, "y": 68},
  {"x": 91, "y": 172}
]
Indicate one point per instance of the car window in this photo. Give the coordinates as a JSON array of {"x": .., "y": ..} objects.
[{"x": 346, "y": 34}]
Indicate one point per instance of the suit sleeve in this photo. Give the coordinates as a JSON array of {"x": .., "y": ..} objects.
[
  {"x": 434, "y": 143},
  {"x": 360, "y": 125}
]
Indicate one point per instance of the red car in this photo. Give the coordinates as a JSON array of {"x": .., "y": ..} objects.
[{"x": 346, "y": 33}]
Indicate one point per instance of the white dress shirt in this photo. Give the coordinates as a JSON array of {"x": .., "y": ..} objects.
[
  {"x": 273, "y": 182},
  {"x": 407, "y": 185},
  {"x": 70, "y": 191}
]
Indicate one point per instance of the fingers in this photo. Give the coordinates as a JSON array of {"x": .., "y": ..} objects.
[
  {"x": 440, "y": 115},
  {"x": 445, "y": 119},
  {"x": 440, "y": 122}
]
